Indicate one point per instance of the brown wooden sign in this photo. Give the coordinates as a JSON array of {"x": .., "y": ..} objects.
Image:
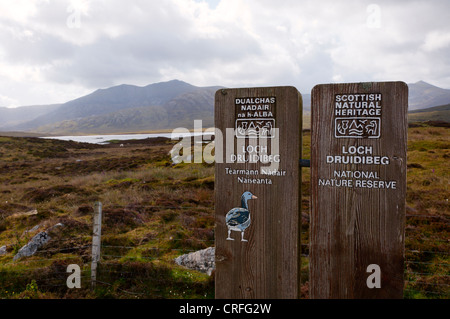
[
  {"x": 257, "y": 192},
  {"x": 358, "y": 185}
]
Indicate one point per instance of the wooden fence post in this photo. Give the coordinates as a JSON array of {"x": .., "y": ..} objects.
[
  {"x": 96, "y": 241},
  {"x": 358, "y": 190},
  {"x": 257, "y": 192}
]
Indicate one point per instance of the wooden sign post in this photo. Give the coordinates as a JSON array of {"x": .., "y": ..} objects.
[
  {"x": 358, "y": 185},
  {"x": 257, "y": 192}
]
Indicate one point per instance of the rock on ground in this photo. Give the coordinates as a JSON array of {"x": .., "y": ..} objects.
[
  {"x": 202, "y": 260},
  {"x": 33, "y": 245}
]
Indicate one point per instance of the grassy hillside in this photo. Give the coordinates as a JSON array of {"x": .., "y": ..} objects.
[
  {"x": 181, "y": 111},
  {"x": 149, "y": 205},
  {"x": 123, "y": 108},
  {"x": 425, "y": 95},
  {"x": 437, "y": 113},
  {"x": 154, "y": 211}
]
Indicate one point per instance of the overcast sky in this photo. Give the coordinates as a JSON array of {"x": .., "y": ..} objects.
[{"x": 53, "y": 51}]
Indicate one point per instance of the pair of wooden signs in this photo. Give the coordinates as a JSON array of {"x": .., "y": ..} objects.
[{"x": 358, "y": 186}]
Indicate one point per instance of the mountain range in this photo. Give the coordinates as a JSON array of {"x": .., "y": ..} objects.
[
  {"x": 119, "y": 109},
  {"x": 155, "y": 107}
]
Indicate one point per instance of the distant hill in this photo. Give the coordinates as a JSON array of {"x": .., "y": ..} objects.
[
  {"x": 128, "y": 108},
  {"x": 12, "y": 117},
  {"x": 423, "y": 95},
  {"x": 165, "y": 106},
  {"x": 437, "y": 113},
  {"x": 180, "y": 111}
]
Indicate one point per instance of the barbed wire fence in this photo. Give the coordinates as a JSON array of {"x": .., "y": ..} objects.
[
  {"x": 123, "y": 267},
  {"x": 427, "y": 267}
]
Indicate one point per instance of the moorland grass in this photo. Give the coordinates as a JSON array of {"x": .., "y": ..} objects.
[{"x": 154, "y": 211}]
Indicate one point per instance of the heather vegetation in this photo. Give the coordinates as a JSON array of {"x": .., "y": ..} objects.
[{"x": 154, "y": 211}]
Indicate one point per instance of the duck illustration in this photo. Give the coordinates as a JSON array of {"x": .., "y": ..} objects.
[{"x": 238, "y": 218}]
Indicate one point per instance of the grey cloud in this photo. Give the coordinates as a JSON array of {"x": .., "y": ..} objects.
[
  {"x": 144, "y": 52},
  {"x": 34, "y": 48},
  {"x": 150, "y": 38},
  {"x": 298, "y": 43}
]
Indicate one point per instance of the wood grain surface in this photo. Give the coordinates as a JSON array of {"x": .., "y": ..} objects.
[
  {"x": 356, "y": 225},
  {"x": 268, "y": 265}
]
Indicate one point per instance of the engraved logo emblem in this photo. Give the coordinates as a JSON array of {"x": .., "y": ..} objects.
[
  {"x": 357, "y": 127},
  {"x": 255, "y": 117},
  {"x": 357, "y": 115}
]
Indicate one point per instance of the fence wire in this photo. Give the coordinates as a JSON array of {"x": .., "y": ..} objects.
[{"x": 141, "y": 270}]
